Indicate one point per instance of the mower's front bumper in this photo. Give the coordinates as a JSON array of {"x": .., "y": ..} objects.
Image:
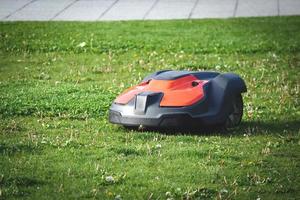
[{"x": 167, "y": 120}]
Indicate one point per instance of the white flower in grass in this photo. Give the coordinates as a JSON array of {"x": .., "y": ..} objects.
[
  {"x": 223, "y": 191},
  {"x": 109, "y": 179},
  {"x": 81, "y": 45},
  {"x": 168, "y": 194},
  {"x": 158, "y": 146}
]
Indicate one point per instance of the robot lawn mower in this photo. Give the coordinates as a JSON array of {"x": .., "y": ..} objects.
[{"x": 169, "y": 99}]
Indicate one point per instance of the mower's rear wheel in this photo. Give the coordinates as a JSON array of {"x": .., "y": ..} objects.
[{"x": 235, "y": 117}]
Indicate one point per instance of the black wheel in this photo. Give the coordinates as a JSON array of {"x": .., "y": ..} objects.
[{"x": 235, "y": 117}]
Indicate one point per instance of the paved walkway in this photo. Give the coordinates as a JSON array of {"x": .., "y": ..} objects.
[{"x": 92, "y": 10}]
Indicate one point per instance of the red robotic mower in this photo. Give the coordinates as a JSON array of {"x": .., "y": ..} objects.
[{"x": 181, "y": 99}]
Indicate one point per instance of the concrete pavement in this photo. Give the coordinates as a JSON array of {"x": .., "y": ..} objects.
[{"x": 100, "y": 10}]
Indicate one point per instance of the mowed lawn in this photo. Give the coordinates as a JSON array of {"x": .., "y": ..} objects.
[{"x": 58, "y": 79}]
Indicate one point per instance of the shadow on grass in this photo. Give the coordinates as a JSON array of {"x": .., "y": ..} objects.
[
  {"x": 17, "y": 148},
  {"x": 292, "y": 126},
  {"x": 18, "y": 187},
  {"x": 248, "y": 127},
  {"x": 20, "y": 182}
]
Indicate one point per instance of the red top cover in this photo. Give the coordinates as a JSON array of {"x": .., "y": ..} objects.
[{"x": 178, "y": 92}]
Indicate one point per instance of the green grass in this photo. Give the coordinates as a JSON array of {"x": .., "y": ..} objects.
[{"x": 58, "y": 79}]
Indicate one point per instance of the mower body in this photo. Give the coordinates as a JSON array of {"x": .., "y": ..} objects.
[{"x": 179, "y": 99}]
